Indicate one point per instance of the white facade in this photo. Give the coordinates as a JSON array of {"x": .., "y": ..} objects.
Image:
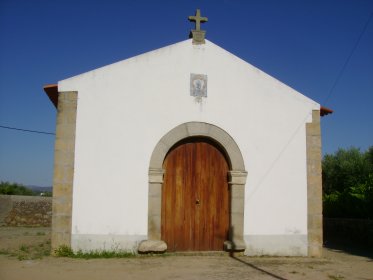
[{"x": 124, "y": 109}]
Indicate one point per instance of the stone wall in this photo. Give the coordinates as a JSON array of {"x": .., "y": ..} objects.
[{"x": 16, "y": 210}]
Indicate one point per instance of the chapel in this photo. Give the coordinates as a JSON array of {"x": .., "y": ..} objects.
[{"x": 186, "y": 148}]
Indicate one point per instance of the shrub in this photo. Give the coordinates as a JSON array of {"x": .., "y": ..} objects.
[{"x": 14, "y": 189}]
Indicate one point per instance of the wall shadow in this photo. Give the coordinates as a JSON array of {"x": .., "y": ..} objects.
[
  {"x": 350, "y": 248},
  {"x": 353, "y": 236}
]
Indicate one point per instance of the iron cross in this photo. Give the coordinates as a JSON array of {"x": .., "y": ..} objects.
[{"x": 198, "y": 19}]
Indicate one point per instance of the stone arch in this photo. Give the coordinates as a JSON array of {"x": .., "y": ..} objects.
[{"x": 237, "y": 178}]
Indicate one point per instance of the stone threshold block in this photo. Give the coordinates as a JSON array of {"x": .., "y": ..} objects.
[{"x": 152, "y": 246}]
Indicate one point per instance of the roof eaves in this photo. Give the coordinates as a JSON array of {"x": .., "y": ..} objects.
[
  {"x": 325, "y": 111},
  {"x": 52, "y": 92}
]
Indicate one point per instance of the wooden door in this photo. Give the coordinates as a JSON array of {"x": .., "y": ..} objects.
[{"x": 195, "y": 196}]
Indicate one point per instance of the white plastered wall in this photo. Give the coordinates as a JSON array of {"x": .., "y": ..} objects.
[{"x": 125, "y": 108}]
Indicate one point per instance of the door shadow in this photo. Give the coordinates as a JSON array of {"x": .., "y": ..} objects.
[{"x": 257, "y": 268}]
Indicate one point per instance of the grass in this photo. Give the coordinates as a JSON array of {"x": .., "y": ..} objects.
[
  {"x": 24, "y": 248},
  {"x": 4, "y": 252},
  {"x": 333, "y": 277},
  {"x": 65, "y": 251},
  {"x": 31, "y": 252}
]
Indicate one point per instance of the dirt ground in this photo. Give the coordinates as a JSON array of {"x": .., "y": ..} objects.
[{"x": 24, "y": 255}]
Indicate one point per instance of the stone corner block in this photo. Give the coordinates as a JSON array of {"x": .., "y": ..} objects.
[
  {"x": 234, "y": 246},
  {"x": 315, "y": 251},
  {"x": 152, "y": 246}
]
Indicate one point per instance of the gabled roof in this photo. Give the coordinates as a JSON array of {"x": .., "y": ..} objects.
[{"x": 182, "y": 47}]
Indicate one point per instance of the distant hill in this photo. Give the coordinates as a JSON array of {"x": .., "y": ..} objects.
[{"x": 40, "y": 189}]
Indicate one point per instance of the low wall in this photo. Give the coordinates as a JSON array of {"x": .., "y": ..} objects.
[
  {"x": 348, "y": 231},
  {"x": 16, "y": 210}
]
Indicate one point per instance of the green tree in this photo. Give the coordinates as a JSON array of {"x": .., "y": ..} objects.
[{"x": 348, "y": 183}]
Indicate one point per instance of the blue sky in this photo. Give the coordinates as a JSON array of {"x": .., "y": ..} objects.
[{"x": 304, "y": 44}]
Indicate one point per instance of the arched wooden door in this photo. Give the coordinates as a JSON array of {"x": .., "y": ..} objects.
[{"x": 195, "y": 197}]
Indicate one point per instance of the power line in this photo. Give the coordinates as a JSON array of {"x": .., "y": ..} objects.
[
  {"x": 27, "y": 130},
  {"x": 348, "y": 59},
  {"x": 261, "y": 180}
]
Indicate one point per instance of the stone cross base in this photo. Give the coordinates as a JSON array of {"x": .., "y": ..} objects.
[{"x": 198, "y": 36}]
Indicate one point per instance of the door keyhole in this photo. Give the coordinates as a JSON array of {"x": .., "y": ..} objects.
[{"x": 197, "y": 201}]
